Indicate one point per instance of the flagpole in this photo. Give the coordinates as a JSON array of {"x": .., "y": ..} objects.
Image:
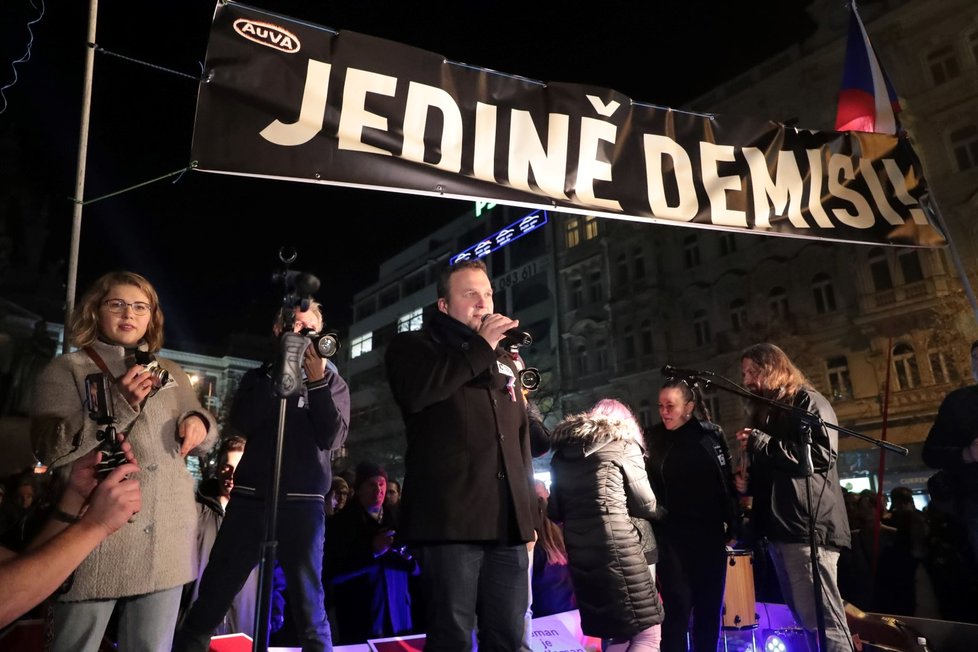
[
  {"x": 958, "y": 265},
  {"x": 76, "y": 217}
]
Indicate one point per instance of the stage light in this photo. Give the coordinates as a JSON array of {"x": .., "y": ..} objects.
[
  {"x": 784, "y": 640},
  {"x": 774, "y": 644}
]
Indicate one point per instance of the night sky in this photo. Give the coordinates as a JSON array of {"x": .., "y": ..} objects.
[{"x": 210, "y": 242}]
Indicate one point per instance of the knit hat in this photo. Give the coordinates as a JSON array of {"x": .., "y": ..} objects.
[{"x": 367, "y": 470}]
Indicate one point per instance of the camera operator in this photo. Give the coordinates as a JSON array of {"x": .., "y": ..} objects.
[
  {"x": 468, "y": 449},
  {"x": 316, "y": 423},
  {"x": 140, "y": 570}
]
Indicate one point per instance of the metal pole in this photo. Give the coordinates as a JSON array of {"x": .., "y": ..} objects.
[{"x": 80, "y": 173}]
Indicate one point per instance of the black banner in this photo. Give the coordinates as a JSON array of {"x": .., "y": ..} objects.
[{"x": 291, "y": 100}]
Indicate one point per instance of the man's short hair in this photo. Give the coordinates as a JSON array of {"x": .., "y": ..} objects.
[{"x": 446, "y": 274}]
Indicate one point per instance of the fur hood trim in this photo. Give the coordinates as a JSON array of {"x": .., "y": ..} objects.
[{"x": 595, "y": 431}]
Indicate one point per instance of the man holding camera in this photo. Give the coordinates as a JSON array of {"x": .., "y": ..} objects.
[
  {"x": 316, "y": 423},
  {"x": 369, "y": 572},
  {"x": 468, "y": 500}
]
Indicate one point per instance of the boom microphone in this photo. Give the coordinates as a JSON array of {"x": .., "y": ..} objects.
[{"x": 674, "y": 372}]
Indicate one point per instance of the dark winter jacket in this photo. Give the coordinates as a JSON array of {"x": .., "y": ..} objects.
[
  {"x": 468, "y": 466},
  {"x": 316, "y": 423},
  {"x": 954, "y": 429},
  {"x": 689, "y": 469},
  {"x": 370, "y": 592},
  {"x": 779, "y": 475},
  {"x": 599, "y": 481}
]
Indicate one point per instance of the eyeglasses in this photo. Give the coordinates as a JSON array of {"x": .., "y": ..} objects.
[{"x": 118, "y": 307}]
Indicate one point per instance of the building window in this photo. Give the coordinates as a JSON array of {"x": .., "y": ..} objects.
[
  {"x": 839, "y": 381},
  {"x": 777, "y": 301},
  {"x": 691, "y": 251},
  {"x": 576, "y": 292},
  {"x": 629, "y": 341},
  {"x": 728, "y": 244},
  {"x": 645, "y": 337},
  {"x": 701, "y": 328},
  {"x": 580, "y": 360},
  {"x": 645, "y": 414},
  {"x": 738, "y": 315},
  {"x": 360, "y": 345},
  {"x": 590, "y": 227},
  {"x": 594, "y": 286},
  {"x": 879, "y": 268},
  {"x": 600, "y": 355},
  {"x": 943, "y": 372},
  {"x": 572, "y": 234},
  {"x": 943, "y": 65},
  {"x": 824, "y": 293},
  {"x": 905, "y": 366},
  {"x": 414, "y": 283},
  {"x": 964, "y": 144},
  {"x": 622, "y": 266},
  {"x": 638, "y": 263},
  {"x": 910, "y": 266},
  {"x": 390, "y": 296},
  {"x": 410, "y": 321}
]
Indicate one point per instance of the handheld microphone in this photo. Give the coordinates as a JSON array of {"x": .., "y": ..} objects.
[
  {"x": 675, "y": 372},
  {"x": 513, "y": 336}
]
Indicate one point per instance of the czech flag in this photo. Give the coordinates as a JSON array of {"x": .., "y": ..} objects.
[{"x": 867, "y": 101}]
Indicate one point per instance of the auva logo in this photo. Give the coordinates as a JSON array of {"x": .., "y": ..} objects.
[{"x": 267, "y": 34}]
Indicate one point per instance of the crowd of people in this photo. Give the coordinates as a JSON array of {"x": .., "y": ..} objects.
[{"x": 635, "y": 531}]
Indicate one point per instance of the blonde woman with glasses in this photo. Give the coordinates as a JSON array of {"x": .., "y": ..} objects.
[{"x": 117, "y": 328}]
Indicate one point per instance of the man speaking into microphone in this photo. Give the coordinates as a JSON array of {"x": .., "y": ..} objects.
[{"x": 468, "y": 500}]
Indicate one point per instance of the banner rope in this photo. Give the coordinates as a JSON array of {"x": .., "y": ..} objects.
[
  {"x": 180, "y": 172},
  {"x": 98, "y": 48}
]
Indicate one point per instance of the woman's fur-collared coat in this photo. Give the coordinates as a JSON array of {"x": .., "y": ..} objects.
[{"x": 599, "y": 482}]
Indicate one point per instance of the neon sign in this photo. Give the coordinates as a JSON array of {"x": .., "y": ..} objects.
[{"x": 503, "y": 237}]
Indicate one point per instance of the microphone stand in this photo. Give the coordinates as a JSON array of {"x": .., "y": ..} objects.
[
  {"x": 812, "y": 420},
  {"x": 287, "y": 381}
]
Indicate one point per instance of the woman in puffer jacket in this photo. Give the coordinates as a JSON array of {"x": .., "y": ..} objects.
[{"x": 599, "y": 483}]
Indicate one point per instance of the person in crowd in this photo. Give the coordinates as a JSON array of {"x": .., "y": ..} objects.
[
  {"x": 22, "y": 517},
  {"x": 368, "y": 571},
  {"x": 868, "y": 569},
  {"x": 552, "y": 590},
  {"x": 468, "y": 449},
  {"x": 782, "y": 464},
  {"x": 393, "y": 493},
  {"x": 317, "y": 420},
  {"x": 117, "y": 327},
  {"x": 690, "y": 471},
  {"x": 599, "y": 484},
  {"x": 951, "y": 565},
  {"x": 952, "y": 447},
  {"x": 339, "y": 492},
  {"x": 67, "y": 538},
  {"x": 915, "y": 596},
  {"x": 213, "y": 495}
]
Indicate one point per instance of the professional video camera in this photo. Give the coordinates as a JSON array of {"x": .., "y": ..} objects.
[{"x": 325, "y": 344}]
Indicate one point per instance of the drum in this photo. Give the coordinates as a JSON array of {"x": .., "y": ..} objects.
[{"x": 739, "y": 605}]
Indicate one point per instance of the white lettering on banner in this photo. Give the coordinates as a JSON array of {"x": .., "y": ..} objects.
[{"x": 538, "y": 162}]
